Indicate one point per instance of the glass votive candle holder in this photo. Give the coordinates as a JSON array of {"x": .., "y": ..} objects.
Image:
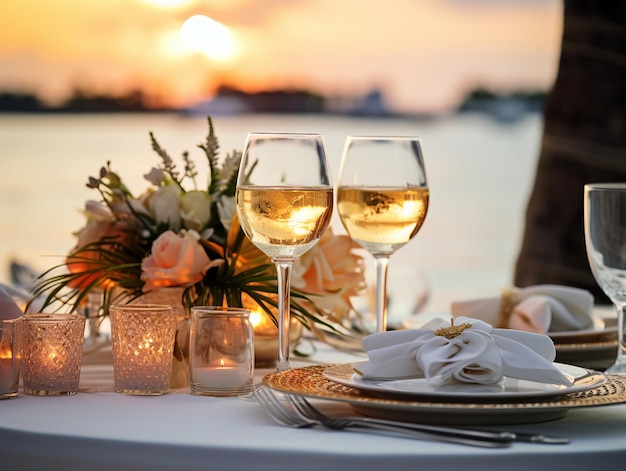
[
  {"x": 142, "y": 338},
  {"x": 221, "y": 351},
  {"x": 10, "y": 356},
  {"x": 52, "y": 353}
]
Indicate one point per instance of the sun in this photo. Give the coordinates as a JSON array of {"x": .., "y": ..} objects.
[{"x": 203, "y": 34}]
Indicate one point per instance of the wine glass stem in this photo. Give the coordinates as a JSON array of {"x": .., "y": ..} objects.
[
  {"x": 619, "y": 367},
  {"x": 382, "y": 262},
  {"x": 283, "y": 269}
]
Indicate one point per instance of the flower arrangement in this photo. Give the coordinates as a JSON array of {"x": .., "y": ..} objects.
[{"x": 176, "y": 235}]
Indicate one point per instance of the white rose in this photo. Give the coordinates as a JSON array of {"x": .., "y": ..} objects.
[
  {"x": 100, "y": 219},
  {"x": 164, "y": 206},
  {"x": 195, "y": 209},
  {"x": 226, "y": 208},
  {"x": 97, "y": 210},
  {"x": 156, "y": 176}
]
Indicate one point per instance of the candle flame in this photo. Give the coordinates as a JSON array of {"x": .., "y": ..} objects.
[
  {"x": 52, "y": 353},
  {"x": 6, "y": 353},
  {"x": 222, "y": 363},
  {"x": 261, "y": 322}
]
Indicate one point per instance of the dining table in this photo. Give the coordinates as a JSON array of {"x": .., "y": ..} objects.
[{"x": 99, "y": 429}]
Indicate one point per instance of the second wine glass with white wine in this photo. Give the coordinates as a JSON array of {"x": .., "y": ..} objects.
[
  {"x": 284, "y": 204},
  {"x": 382, "y": 199}
]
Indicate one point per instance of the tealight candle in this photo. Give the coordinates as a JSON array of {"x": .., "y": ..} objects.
[
  {"x": 225, "y": 376},
  {"x": 52, "y": 352},
  {"x": 221, "y": 351},
  {"x": 9, "y": 357},
  {"x": 142, "y": 338}
]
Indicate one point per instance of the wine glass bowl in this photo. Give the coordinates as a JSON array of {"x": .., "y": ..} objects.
[
  {"x": 284, "y": 201},
  {"x": 605, "y": 241},
  {"x": 382, "y": 200},
  {"x": 285, "y": 223},
  {"x": 382, "y": 219}
]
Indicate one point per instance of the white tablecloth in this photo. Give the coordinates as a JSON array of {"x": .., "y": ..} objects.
[{"x": 99, "y": 429}]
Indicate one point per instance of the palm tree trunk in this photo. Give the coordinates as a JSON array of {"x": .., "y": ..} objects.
[{"x": 584, "y": 141}]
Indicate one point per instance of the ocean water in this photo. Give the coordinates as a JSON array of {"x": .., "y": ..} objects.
[{"x": 480, "y": 174}]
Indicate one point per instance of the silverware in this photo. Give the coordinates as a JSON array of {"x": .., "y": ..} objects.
[
  {"x": 308, "y": 410},
  {"x": 540, "y": 438},
  {"x": 285, "y": 413}
]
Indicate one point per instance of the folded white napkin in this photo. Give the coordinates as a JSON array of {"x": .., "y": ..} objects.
[
  {"x": 469, "y": 351},
  {"x": 540, "y": 308},
  {"x": 8, "y": 307}
]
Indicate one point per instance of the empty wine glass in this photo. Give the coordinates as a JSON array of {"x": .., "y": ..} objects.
[
  {"x": 605, "y": 239},
  {"x": 382, "y": 199},
  {"x": 284, "y": 204}
]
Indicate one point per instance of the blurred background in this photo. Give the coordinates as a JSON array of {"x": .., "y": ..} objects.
[{"x": 83, "y": 82}]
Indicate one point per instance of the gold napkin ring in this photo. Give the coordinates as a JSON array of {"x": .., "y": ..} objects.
[
  {"x": 451, "y": 331},
  {"x": 507, "y": 306}
]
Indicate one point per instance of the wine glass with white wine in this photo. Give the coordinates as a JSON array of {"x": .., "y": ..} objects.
[
  {"x": 605, "y": 239},
  {"x": 284, "y": 204},
  {"x": 382, "y": 199}
]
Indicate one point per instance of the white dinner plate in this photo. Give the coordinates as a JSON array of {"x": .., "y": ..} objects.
[
  {"x": 508, "y": 389},
  {"x": 311, "y": 382}
]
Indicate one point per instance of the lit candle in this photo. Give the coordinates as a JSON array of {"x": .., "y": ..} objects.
[
  {"x": 8, "y": 374},
  {"x": 262, "y": 323},
  {"x": 52, "y": 353},
  {"x": 9, "y": 358},
  {"x": 142, "y": 347},
  {"x": 223, "y": 377},
  {"x": 221, "y": 346},
  {"x": 5, "y": 369},
  {"x": 266, "y": 334}
]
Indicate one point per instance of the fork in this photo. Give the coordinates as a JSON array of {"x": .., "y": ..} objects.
[
  {"x": 305, "y": 408},
  {"x": 291, "y": 417}
]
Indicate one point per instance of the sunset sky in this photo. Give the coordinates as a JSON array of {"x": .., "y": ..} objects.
[{"x": 424, "y": 54}]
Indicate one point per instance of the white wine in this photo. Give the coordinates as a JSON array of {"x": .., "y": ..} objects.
[
  {"x": 284, "y": 222},
  {"x": 382, "y": 219}
]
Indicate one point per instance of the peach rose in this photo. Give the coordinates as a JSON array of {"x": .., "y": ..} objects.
[
  {"x": 175, "y": 260},
  {"x": 332, "y": 270}
]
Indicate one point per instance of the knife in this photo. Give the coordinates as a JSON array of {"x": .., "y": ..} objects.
[
  {"x": 496, "y": 435},
  {"x": 540, "y": 438}
]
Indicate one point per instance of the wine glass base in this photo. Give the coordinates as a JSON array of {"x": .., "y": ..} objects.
[{"x": 618, "y": 368}]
